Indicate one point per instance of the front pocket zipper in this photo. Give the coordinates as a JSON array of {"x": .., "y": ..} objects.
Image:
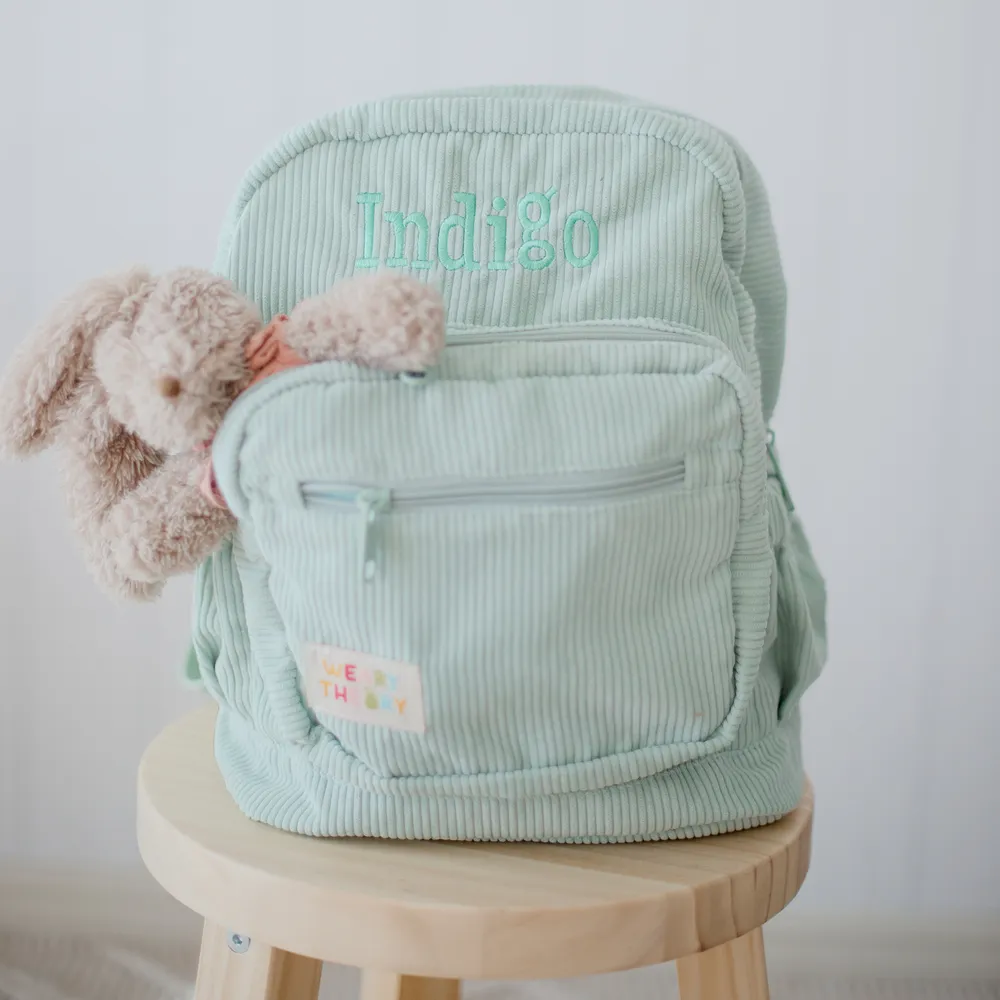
[{"x": 578, "y": 489}]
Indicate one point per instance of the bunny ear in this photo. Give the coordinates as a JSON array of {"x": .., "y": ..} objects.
[{"x": 42, "y": 375}]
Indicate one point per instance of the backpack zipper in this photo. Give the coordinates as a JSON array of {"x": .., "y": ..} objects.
[
  {"x": 553, "y": 333},
  {"x": 557, "y": 334},
  {"x": 374, "y": 502}
]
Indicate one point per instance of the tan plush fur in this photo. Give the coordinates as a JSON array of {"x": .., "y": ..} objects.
[
  {"x": 50, "y": 390},
  {"x": 381, "y": 320},
  {"x": 192, "y": 327},
  {"x": 164, "y": 526},
  {"x": 131, "y": 373}
]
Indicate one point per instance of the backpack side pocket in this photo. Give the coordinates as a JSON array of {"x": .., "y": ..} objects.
[{"x": 798, "y": 613}]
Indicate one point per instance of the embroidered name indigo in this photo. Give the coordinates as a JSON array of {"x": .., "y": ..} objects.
[{"x": 577, "y": 242}]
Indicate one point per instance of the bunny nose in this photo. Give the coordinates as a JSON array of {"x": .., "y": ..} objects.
[{"x": 169, "y": 386}]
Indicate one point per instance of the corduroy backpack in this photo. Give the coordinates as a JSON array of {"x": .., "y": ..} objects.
[{"x": 554, "y": 589}]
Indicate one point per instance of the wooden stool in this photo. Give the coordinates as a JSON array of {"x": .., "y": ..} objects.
[{"x": 418, "y": 917}]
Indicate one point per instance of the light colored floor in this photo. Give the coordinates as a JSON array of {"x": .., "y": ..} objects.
[{"x": 36, "y": 967}]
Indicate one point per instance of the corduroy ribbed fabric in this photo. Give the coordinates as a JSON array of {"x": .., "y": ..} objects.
[{"x": 571, "y": 531}]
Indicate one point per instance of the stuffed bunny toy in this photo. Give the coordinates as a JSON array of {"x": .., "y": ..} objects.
[{"x": 132, "y": 375}]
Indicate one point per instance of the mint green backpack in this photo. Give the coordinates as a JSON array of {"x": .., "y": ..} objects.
[{"x": 555, "y": 589}]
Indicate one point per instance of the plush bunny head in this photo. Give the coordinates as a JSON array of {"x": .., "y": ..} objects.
[{"x": 173, "y": 366}]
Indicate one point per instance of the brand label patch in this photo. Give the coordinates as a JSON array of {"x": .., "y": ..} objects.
[{"x": 359, "y": 687}]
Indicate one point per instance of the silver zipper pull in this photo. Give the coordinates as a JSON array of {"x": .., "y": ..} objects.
[
  {"x": 777, "y": 472},
  {"x": 371, "y": 503}
]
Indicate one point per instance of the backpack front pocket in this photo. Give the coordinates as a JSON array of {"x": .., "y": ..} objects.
[
  {"x": 372, "y": 504},
  {"x": 549, "y": 581}
]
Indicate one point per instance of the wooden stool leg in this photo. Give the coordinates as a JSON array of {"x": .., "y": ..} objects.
[
  {"x": 733, "y": 971},
  {"x": 377, "y": 985},
  {"x": 259, "y": 973}
]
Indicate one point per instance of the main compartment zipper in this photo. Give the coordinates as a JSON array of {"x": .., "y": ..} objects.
[
  {"x": 478, "y": 337},
  {"x": 473, "y": 336},
  {"x": 581, "y": 488}
]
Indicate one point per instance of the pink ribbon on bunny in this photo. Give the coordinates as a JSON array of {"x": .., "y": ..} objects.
[{"x": 267, "y": 354}]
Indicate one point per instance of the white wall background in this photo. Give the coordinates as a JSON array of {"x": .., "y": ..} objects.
[{"x": 126, "y": 126}]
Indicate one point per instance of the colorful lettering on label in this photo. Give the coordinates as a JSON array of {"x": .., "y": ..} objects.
[
  {"x": 459, "y": 235},
  {"x": 346, "y": 670},
  {"x": 359, "y": 687}
]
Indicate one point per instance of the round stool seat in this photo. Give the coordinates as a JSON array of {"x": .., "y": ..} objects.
[{"x": 452, "y": 910}]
